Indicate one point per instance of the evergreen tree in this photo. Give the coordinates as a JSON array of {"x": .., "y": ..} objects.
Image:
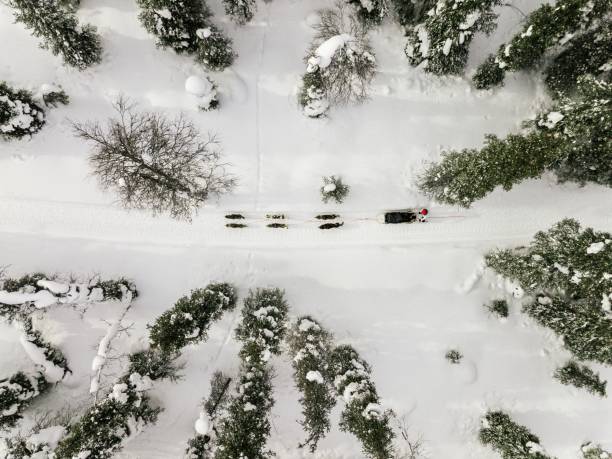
[
  {"x": 60, "y": 32},
  {"x": 186, "y": 27},
  {"x": 509, "y": 439},
  {"x": 19, "y": 114},
  {"x": 581, "y": 376},
  {"x": 241, "y": 11},
  {"x": 369, "y": 12},
  {"x": 188, "y": 321},
  {"x": 16, "y": 393},
  {"x": 443, "y": 39},
  {"x": 572, "y": 139},
  {"x": 567, "y": 270},
  {"x": 310, "y": 346},
  {"x": 363, "y": 415},
  {"x": 592, "y": 451},
  {"x": 546, "y": 27},
  {"x": 411, "y": 12}
]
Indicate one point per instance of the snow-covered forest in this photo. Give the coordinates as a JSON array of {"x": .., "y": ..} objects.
[{"x": 340, "y": 229}]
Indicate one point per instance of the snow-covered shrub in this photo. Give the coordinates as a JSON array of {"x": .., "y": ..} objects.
[
  {"x": 43, "y": 353},
  {"x": 186, "y": 27},
  {"x": 363, "y": 415},
  {"x": 154, "y": 162},
  {"x": 509, "y": 439},
  {"x": 38, "y": 444},
  {"x": 19, "y": 114},
  {"x": 188, "y": 321},
  {"x": 498, "y": 307},
  {"x": 453, "y": 356},
  {"x": 201, "y": 446},
  {"x": 411, "y": 12},
  {"x": 589, "y": 53},
  {"x": 567, "y": 270},
  {"x": 592, "y": 451},
  {"x": 53, "y": 96},
  {"x": 205, "y": 90},
  {"x": 334, "y": 189},
  {"x": 263, "y": 325},
  {"x": 572, "y": 139},
  {"x": 102, "y": 430},
  {"x": 240, "y": 11},
  {"x": 581, "y": 376},
  {"x": 245, "y": 430},
  {"x": 442, "y": 40},
  {"x": 59, "y": 30},
  {"x": 16, "y": 393},
  {"x": 546, "y": 27},
  {"x": 340, "y": 63},
  {"x": 215, "y": 50},
  {"x": 369, "y": 12},
  {"x": 310, "y": 346}
]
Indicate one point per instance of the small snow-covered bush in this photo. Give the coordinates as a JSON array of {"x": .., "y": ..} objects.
[
  {"x": 571, "y": 139},
  {"x": 369, "y": 12},
  {"x": 546, "y": 27},
  {"x": 205, "y": 90},
  {"x": 263, "y": 325},
  {"x": 53, "y": 96},
  {"x": 498, "y": 307},
  {"x": 581, "y": 376},
  {"x": 201, "y": 446},
  {"x": 60, "y": 32},
  {"x": 16, "y": 393},
  {"x": 509, "y": 439},
  {"x": 188, "y": 321},
  {"x": 566, "y": 268},
  {"x": 43, "y": 353},
  {"x": 310, "y": 346},
  {"x": 363, "y": 416},
  {"x": 19, "y": 114},
  {"x": 334, "y": 189},
  {"x": 38, "y": 444},
  {"x": 240, "y": 11},
  {"x": 340, "y": 63},
  {"x": 591, "y": 451},
  {"x": 102, "y": 430},
  {"x": 453, "y": 356},
  {"x": 154, "y": 162},
  {"x": 186, "y": 27},
  {"x": 442, "y": 40}
]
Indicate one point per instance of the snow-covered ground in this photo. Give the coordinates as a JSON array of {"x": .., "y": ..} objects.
[{"x": 397, "y": 294}]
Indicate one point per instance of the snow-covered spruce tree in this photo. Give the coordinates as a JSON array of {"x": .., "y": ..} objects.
[
  {"x": 20, "y": 115},
  {"x": 154, "y": 162},
  {"x": 363, "y": 416},
  {"x": 102, "y": 430},
  {"x": 442, "y": 40},
  {"x": 240, "y": 11},
  {"x": 16, "y": 393},
  {"x": 340, "y": 63},
  {"x": 310, "y": 346},
  {"x": 572, "y": 139},
  {"x": 201, "y": 446},
  {"x": 188, "y": 321},
  {"x": 581, "y": 376},
  {"x": 592, "y": 451},
  {"x": 509, "y": 439},
  {"x": 411, "y": 12},
  {"x": 369, "y": 12},
  {"x": 59, "y": 30},
  {"x": 566, "y": 269},
  {"x": 334, "y": 189},
  {"x": 546, "y": 27},
  {"x": 245, "y": 430},
  {"x": 39, "y": 443},
  {"x": 587, "y": 54},
  {"x": 186, "y": 27}
]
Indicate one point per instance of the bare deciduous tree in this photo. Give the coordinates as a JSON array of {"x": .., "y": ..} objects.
[{"x": 154, "y": 162}]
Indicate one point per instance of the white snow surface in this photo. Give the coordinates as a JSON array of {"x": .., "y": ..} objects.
[{"x": 390, "y": 291}]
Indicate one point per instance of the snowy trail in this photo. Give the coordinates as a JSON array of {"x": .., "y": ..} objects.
[{"x": 107, "y": 223}]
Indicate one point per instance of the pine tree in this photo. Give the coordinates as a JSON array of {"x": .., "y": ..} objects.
[
  {"x": 581, "y": 376},
  {"x": 60, "y": 32},
  {"x": 241, "y": 11},
  {"x": 310, "y": 346},
  {"x": 509, "y": 439},
  {"x": 16, "y": 393},
  {"x": 572, "y": 139},
  {"x": 369, "y": 12},
  {"x": 443, "y": 39},
  {"x": 186, "y": 27},
  {"x": 567, "y": 271},
  {"x": 411, "y": 12},
  {"x": 19, "y": 114},
  {"x": 363, "y": 415},
  {"x": 546, "y": 27}
]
